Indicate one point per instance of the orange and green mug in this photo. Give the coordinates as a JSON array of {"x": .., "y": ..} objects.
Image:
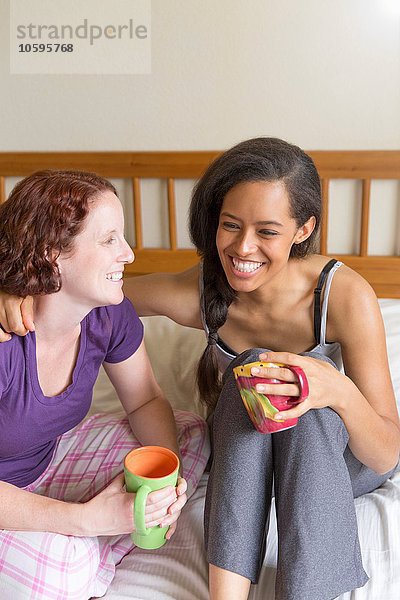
[{"x": 147, "y": 469}]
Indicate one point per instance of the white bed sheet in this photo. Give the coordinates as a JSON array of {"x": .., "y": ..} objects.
[{"x": 178, "y": 571}]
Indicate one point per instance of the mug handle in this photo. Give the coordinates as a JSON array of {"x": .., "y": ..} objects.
[
  {"x": 303, "y": 381},
  {"x": 139, "y": 507}
]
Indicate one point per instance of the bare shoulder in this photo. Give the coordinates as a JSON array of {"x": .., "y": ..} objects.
[
  {"x": 175, "y": 295},
  {"x": 350, "y": 287},
  {"x": 353, "y": 304}
]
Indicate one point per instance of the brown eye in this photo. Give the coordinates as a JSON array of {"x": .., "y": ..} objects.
[
  {"x": 228, "y": 225},
  {"x": 268, "y": 232}
]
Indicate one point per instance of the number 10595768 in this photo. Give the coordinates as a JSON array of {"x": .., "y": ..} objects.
[{"x": 45, "y": 48}]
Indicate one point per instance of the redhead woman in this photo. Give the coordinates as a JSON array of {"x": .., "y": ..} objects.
[
  {"x": 65, "y": 518},
  {"x": 261, "y": 292}
]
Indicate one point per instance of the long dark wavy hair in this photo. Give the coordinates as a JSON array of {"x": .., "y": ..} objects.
[
  {"x": 41, "y": 218},
  {"x": 258, "y": 159}
]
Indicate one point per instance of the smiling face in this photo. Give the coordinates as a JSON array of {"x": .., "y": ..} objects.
[
  {"x": 92, "y": 273},
  {"x": 256, "y": 232}
]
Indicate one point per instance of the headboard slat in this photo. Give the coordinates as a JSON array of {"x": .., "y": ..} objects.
[
  {"x": 173, "y": 237},
  {"x": 323, "y": 239},
  {"x": 366, "y": 194},
  {"x": 2, "y": 189},
  {"x": 137, "y": 212}
]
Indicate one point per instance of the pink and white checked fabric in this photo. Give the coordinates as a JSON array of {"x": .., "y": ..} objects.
[{"x": 49, "y": 566}]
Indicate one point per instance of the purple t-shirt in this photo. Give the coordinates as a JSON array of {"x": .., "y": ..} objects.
[{"x": 30, "y": 422}]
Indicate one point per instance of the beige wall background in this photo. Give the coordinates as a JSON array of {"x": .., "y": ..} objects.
[{"x": 324, "y": 74}]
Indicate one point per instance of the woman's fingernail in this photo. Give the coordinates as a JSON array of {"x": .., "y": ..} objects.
[
  {"x": 279, "y": 416},
  {"x": 255, "y": 370}
]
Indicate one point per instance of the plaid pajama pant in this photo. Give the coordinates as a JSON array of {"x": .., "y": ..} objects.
[{"x": 50, "y": 566}]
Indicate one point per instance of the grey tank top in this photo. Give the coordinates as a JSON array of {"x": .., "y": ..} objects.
[{"x": 225, "y": 354}]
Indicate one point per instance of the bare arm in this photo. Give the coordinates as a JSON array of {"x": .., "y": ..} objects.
[
  {"x": 149, "y": 412},
  {"x": 108, "y": 513},
  {"x": 175, "y": 295},
  {"x": 150, "y": 415},
  {"x": 23, "y": 511},
  {"x": 370, "y": 413},
  {"x": 364, "y": 397}
]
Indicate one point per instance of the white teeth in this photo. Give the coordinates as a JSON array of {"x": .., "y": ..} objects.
[
  {"x": 114, "y": 276},
  {"x": 246, "y": 267}
]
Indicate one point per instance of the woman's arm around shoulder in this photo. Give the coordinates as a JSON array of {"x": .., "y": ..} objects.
[{"x": 174, "y": 295}]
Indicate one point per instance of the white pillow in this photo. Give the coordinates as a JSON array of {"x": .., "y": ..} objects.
[{"x": 174, "y": 352}]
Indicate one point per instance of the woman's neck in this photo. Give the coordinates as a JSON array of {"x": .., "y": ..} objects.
[
  {"x": 56, "y": 316},
  {"x": 289, "y": 281}
]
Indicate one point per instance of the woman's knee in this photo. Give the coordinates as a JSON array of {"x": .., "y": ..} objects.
[
  {"x": 250, "y": 355},
  {"x": 325, "y": 424},
  {"x": 321, "y": 357}
]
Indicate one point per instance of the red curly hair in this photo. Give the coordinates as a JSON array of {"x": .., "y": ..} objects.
[{"x": 42, "y": 216}]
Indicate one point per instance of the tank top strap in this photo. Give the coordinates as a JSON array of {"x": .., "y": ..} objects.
[{"x": 321, "y": 311}]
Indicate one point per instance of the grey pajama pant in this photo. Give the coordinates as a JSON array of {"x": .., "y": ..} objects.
[{"x": 315, "y": 477}]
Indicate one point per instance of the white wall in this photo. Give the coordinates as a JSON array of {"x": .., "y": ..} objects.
[
  {"x": 324, "y": 74},
  {"x": 320, "y": 73}
]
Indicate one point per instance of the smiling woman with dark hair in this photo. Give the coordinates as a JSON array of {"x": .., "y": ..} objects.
[{"x": 65, "y": 516}]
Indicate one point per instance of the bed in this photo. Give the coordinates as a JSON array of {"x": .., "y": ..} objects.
[{"x": 178, "y": 571}]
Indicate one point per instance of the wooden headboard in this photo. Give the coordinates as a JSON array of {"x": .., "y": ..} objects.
[{"x": 383, "y": 272}]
